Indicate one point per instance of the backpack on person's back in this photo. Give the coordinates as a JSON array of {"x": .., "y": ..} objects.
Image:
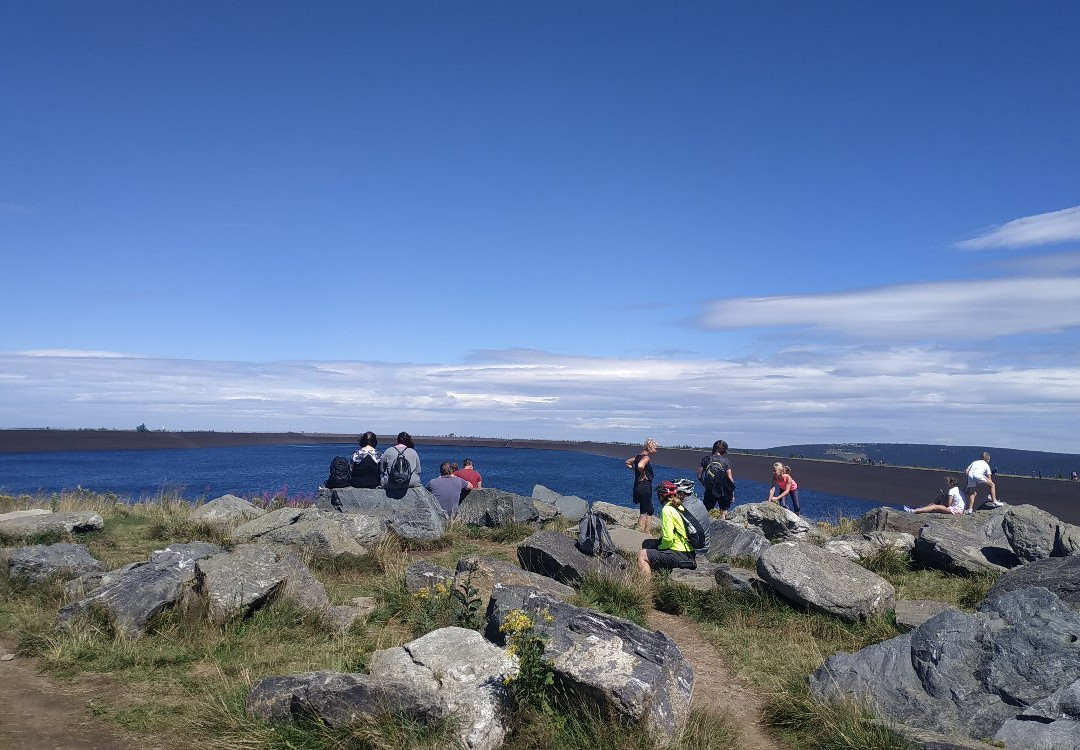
[
  {"x": 401, "y": 471},
  {"x": 340, "y": 473},
  {"x": 716, "y": 480},
  {"x": 593, "y": 537}
]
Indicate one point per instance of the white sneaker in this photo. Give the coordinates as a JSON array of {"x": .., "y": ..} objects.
[
  {"x": 908, "y": 509},
  {"x": 967, "y": 512},
  {"x": 993, "y": 504}
]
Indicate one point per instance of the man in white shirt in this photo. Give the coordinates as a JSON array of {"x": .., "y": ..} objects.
[{"x": 980, "y": 475}]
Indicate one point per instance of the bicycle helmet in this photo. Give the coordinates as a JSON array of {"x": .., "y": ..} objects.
[
  {"x": 666, "y": 489},
  {"x": 685, "y": 486}
]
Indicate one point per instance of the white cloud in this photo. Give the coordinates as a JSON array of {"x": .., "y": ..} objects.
[
  {"x": 964, "y": 310},
  {"x": 910, "y": 393},
  {"x": 1042, "y": 229},
  {"x": 1051, "y": 264}
]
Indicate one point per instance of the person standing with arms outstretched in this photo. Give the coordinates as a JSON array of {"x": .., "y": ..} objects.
[
  {"x": 643, "y": 476},
  {"x": 979, "y": 474},
  {"x": 784, "y": 486}
]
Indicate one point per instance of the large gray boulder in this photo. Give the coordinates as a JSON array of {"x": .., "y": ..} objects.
[
  {"x": 775, "y": 522},
  {"x": 972, "y": 675},
  {"x": 740, "y": 579},
  {"x": 337, "y": 699},
  {"x": 465, "y": 671},
  {"x": 628, "y": 540},
  {"x": 702, "y": 578},
  {"x": 963, "y": 551},
  {"x": 41, "y": 562},
  {"x": 891, "y": 519},
  {"x": 620, "y": 515},
  {"x": 1035, "y": 534},
  {"x": 30, "y": 523},
  {"x": 132, "y": 595},
  {"x": 485, "y": 574},
  {"x": 226, "y": 511},
  {"x": 571, "y": 507},
  {"x": 237, "y": 582},
  {"x": 495, "y": 508},
  {"x": 312, "y": 532},
  {"x": 1061, "y": 575},
  {"x": 603, "y": 660},
  {"x": 810, "y": 577},
  {"x": 861, "y": 546},
  {"x": 730, "y": 541},
  {"x": 555, "y": 555},
  {"x": 911, "y": 613},
  {"x": 411, "y": 513}
]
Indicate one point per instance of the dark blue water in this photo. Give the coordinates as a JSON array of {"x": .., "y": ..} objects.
[{"x": 295, "y": 471}]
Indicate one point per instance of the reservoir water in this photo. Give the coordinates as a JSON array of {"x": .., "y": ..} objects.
[{"x": 296, "y": 471}]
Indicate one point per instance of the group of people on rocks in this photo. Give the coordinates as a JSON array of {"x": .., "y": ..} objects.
[
  {"x": 980, "y": 476},
  {"x": 368, "y": 469}
]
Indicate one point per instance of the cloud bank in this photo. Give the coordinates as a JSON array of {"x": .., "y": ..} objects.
[
  {"x": 911, "y": 394},
  {"x": 1029, "y": 231}
]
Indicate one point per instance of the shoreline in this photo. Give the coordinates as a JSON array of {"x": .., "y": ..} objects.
[{"x": 881, "y": 484}]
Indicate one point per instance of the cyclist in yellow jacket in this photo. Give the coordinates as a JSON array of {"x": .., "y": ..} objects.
[{"x": 674, "y": 550}]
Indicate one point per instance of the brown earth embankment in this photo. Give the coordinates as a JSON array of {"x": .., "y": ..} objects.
[{"x": 885, "y": 484}]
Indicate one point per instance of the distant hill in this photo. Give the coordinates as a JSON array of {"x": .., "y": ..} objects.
[{"x": 950, "y": 457}]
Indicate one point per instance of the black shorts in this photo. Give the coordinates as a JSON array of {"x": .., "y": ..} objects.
[
  {"x": 669, "y": 558},
  {"x": 716, "y": 501},
  {"x": 643, "y": 498}
]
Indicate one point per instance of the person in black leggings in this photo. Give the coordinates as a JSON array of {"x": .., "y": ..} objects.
[{"x": 643, "y": 476}]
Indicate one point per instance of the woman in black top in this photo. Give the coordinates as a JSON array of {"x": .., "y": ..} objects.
[{"x": 643, "y": 476}]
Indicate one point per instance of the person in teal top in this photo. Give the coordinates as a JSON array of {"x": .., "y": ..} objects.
[{"x": 673, "y": 550}]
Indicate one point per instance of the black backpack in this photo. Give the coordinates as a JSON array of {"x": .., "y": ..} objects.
[
  {"x": 716, "y": 480},
  {"x": 697, "y": 531},
  {"x": 593, "y": 538},
  {"x": 400, "y": 473},
  {"x": 340, "y": 475}
]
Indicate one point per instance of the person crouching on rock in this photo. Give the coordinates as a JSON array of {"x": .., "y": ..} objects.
[
  {"x": 955, "y": 506},
  {"x": 784, "y": 486},
  {"x": 673, "y": 550}
]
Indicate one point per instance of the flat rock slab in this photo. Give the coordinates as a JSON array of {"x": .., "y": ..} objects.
[
  {"x": 485, "y": 574},
  {"x": 955, "y": 549},
  {"x": 702, "y": 578},
  {"x": 226, "y": 511},
  {"x": 861, "y": 546},
  {"x": 338, "y": 699},
  {"x": 623, "y": 668},
  {"x": 411, "y": 513},
  {"x": 1007, "y": 672},
  {"x": 30, "y": 523},
  {"x": 911, "y": 613},
  {"x": 465, "y": 671},
  {"x": 237, "y": 582},
  {"x": 313, "y": 532},
  {"x": 628, "y": 540},
  {"x": 775, "y": 522},
  {"x": 41, "y": 562},
  {"x": 1061, "y": 575},
  {"x": 810, "y": 577},
  {"x": 730, "y": 541},
  {"x": 554, "y": 555},
  {"x": 492, "y": 508},
  {"x": 132, "y": 595}
]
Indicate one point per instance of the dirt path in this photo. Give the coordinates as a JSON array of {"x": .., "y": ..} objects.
[
  {"x": 40, "y": 713},
  {"x": 716, "y": 689}
]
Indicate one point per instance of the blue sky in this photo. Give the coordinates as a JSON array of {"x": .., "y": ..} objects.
[{"x": 769, "y": 222}]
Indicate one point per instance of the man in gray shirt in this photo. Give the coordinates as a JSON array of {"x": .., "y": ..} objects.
[{"x": 447, "y": 488}]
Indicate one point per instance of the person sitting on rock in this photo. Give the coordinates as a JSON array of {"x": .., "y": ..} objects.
[
  {"x": 956, "y": 502},
  {"x": 469, "y": 474},
  {"x": 448, "y": 489},
  {"x": 403, "y": 447},
  {"x": 785, "y": 485},
  {"x": 673, "y": 549},
  {"x": 364, "y": 467}
]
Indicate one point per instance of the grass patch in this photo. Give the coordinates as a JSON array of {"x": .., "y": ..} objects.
[{"x": 625, "y": 596}]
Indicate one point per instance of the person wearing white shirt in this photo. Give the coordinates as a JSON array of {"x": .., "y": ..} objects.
[
  {"x": 980, "y": 475},
  {"x": 955, "y": 504}
]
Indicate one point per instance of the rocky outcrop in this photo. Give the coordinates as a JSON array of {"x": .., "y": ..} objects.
[
  {"x": 861, "y": 546},
  {"x": 629, "y": 671},
  {"x": 422, "y": 575},
  {"x": 226, "y": 511},
  {"x": 1060, "y": 575},
  {"x": 485, "y": 574},
  {"x": 554, "y": 555},
  {"x": 411, "y": 513},
  {"x": 1035, "y": 534},
  {"x": 964, "y": 551},
  {"x": 465, "y": 671},
  {"x": 740, "y": 579},
  {"x": 41, "y": 562},
  {"x": 132, "y": 595},
  {"x": 702, "y": 578},
  {"x": 337, "y": 699},
  {"x": 810, "y": 577},
  {"x": 619, "y": 515},
  {"x": 892, "y": 519},
  {"x": 628, "y": 540},
  {"x": 911, "y": 613},
  {"x": 313, "y": 533},
  {"x": 773, "y": 521},
  {"x": 21, "y": 524},
  {"x": 495, "y": 508},
  {"x": 730, "y": 541},
  {"x": 570, "y": 507},
  {"x": 1007, "y": 672}
]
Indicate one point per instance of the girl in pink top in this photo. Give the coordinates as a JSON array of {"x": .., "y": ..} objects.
[{"x": 784, "y": 486}]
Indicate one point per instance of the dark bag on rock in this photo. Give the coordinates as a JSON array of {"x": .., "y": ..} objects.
[
  {"x": 340, "y": 475},
  {"x": 365, "y": 473},
  {"x": 400, "y": 473},
  {"x": 593, "y": 538},
  {"x": 716, "y": 480}
]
